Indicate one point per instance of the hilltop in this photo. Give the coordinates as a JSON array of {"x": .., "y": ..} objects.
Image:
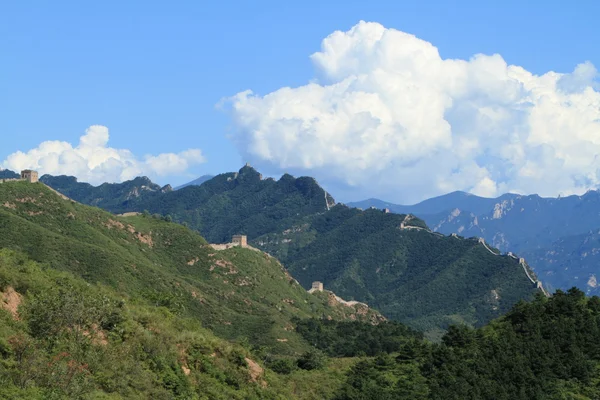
[
  {"x": 227, "y": 204},
  {"x": 238, "y": 202},
  {"x": 107, "y": 195}
]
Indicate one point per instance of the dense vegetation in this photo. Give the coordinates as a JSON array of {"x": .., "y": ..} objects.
[
  {"x": 110, "y": 196},
  {"x": 95, "y": 306},
  {"x": 542, "y": 350},
  {"x": 411, "y": 275},
  {"x": 546, "y": 349},
  {"x": 353, "y": 338},
  {"x": 239, "y": 293},
  {"x": 426, "y": 280},
  {"x": 61, "y": 337},
  {"x": 239, "y": 203},
  {"x": 71, "y": 340},
  {"x": 223, "y": 206}
]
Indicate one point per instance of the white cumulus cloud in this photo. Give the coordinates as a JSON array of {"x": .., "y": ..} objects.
[
  {"x": 92, "y": 160},
  {"x": 391, "y": 118}
]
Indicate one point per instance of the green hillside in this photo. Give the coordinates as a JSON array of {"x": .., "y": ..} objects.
[
  {"x": 62, "y": 338},
  {"x": 240, "y": 294},
  {"x": 547, "y": 349},
  {"x": 107, "y": 195},
  {"x": 241, "y": 202},
  {"x": 426, "y": 280},
  {"x": 95, "y": 306},
  {"x": 412, "y": 275}
]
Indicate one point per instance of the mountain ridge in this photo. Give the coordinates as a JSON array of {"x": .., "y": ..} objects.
[
  {"x": 235, "y": 292},
  {"x": 348, "y": 246},
  {"x": 531, "y": 226}
]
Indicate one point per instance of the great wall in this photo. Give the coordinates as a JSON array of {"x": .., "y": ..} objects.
[
  {"x": 318, "y": 287},
  {"x": 242, "y": 241},
  {"x": 31, "y": 176},
  {"x": 26, "y": 175},
  {"x": 522, "y": 263},
  {"x": 236, "y": 241}
]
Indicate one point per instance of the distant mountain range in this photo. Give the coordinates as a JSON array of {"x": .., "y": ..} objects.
[
  {"x": 559, "y": 237},
  {"x": 393, "y": 262},
  {"x": 436, "y": 205},
  {"x": 196, "y": 182},
  {"x": 555, "y": 235},
  {"x": 7, "y": 174}
]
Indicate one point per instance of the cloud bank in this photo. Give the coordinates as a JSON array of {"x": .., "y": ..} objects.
[
  {"x": 391, "y": 118},
  {"x": 93, "y": 161}
]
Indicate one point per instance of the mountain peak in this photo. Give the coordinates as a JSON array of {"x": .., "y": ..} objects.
[{"x": 248, "y": 174}]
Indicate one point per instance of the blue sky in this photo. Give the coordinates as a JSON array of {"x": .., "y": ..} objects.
[{"x": 152, "y": 72}]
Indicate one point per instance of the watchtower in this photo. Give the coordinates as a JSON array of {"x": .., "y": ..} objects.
[
  {"x": 240, "y": 240},
  {"x": 317, "y": 286},
  {"x": 29, "y": 175}
]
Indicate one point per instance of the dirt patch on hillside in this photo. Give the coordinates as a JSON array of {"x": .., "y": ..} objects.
[
  {"x": 27, "y": 200},
  {"x": 146, "y": 239},
  {"x": 97, "y": 335},
  {"x": 231, "y": 270},
  {"x": 143, "y": 238},
  {"x": 130, "y": 214},
  {"x": 256, "y": 372},
  {"x": 183, "y": 360},
  {"x": 9, "y": 205},
  {"x": 10, "y": 301},
  {"x": 111, "y": 223}
]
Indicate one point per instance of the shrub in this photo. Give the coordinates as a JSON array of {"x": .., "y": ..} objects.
[
  {"x": 310, "y": 360},
  {"x": 283, "y": 366}
]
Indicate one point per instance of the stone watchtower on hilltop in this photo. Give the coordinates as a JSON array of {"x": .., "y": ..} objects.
[
  {"x": 29, "y": 175},
  {"x": 317, "y": 286},
  {"x": 240, "y": 240}
]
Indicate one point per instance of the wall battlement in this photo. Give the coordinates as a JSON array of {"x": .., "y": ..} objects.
[
  {"x": 240, "y": 240},
  {"x": 26, "y": 175}
]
